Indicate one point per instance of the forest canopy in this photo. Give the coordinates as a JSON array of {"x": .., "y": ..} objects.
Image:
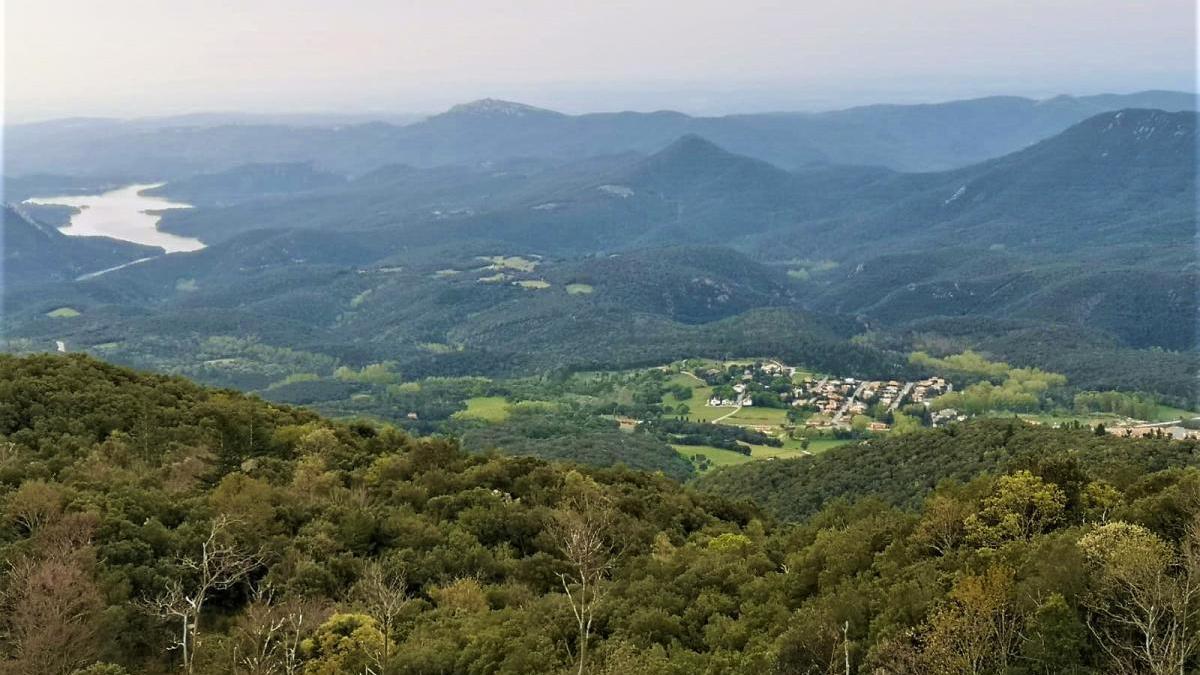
[{"x": 155, "y": 526}]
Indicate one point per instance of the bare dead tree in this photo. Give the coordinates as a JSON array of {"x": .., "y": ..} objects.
[
  {"x": 219, "y": 566},
  {"x": 383, "y": 596},
  {"x": 268, "y": 634},
  {"x": 584, "y": 533},
  {"x": 258, "y": 636},
  {"x": 846, "y": 644},
  {"x": 299, "y": 620}
]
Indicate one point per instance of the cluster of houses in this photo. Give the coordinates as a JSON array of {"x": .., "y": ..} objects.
[
  {"x": 848, "y": 396},
  {"x": 827, "y": 396},
  {"x": 742, "y": 390},
  {"x": 1163, "y": 430},
  {"x": 838, "y": 400},
  {"x": 833, "y": 399},
  {"x": 926, "y": 390},
  {"x": 742, "y": 398},
  {"x": 941, "y": 418}
]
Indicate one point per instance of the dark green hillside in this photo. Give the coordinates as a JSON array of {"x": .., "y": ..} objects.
[
  {"x": 35, "y": 253},
  {"x": 1088, "y": 229},
  {"x": 689, "y": 192},
  {"x": 580, "y": 439},
  {"x": 1143, "y": 308},
  {"x": 142, "y": 466},
  {"x": 1135, "y": 307},
  {"x": 250, "y": 181},
  {"x": 442, "y": 311},
  {"x": 689, "y": 284},
  {"x": 399, "y": 196},
  {"x": 902, "y": 470},
  {"x": 1120, "y": 178}
]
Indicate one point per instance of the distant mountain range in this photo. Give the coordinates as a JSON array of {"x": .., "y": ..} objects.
[
  {"x": 901, "y": 137},
  {"x": 1125, "y": 179},
  {"x": 1078, "y": 189},
  {"x": 666, "y": 244}
]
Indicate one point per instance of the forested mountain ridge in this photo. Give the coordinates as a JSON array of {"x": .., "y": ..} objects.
[
  {"x": 327, "y": 548},
  {"x": 35, "y": 253},
  {"x": 1126, "y": 178},
  {"x": 1087, "y": 228},
  {"x": 905, "y": 137}
]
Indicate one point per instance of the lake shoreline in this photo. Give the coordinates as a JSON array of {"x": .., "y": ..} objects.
[{"x": 124, "y": 213}]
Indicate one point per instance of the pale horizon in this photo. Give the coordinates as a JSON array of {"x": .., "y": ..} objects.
[{"x": 136, "y": 58}]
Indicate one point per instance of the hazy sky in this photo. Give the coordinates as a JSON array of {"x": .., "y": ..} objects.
[{"x": 146, "y": 57}]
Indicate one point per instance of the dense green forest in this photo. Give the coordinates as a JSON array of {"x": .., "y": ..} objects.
[
  {"x": 151, "y": 526},
  {"x": 903, "y": 469}
]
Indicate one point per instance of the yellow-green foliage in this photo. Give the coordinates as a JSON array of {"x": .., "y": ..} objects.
[
  {"x": 579, "y": 289},
  {"x": 346, "y": 643},
  {"x": 486, "y": 408},
  {"x": 1021, "y": 506},
  {"x": 464, "y": 595},
  {"x": 532, "y": 284},
  {"x": 376, "y": 373},
  {"x": 63, "y": 313},
  {"x": 514, "y": 262},
  {"x": 966, "y": 363},
  {"x": 1021, "y": 391},
  {"x": 1003, "y": 387},
  {"x": 803, "y": 270},
  {"x": 296, "y": 378},
  {"x": 360, "y": 298},
  {"x": 534, "y": 406},
  {"x": 903, "y": 424},
  {"x": 438, "y": 347},
  {"x": 730, "y": 542}
]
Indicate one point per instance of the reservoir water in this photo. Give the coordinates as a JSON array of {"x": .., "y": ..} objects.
[{"x": 125, "y": 214}]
